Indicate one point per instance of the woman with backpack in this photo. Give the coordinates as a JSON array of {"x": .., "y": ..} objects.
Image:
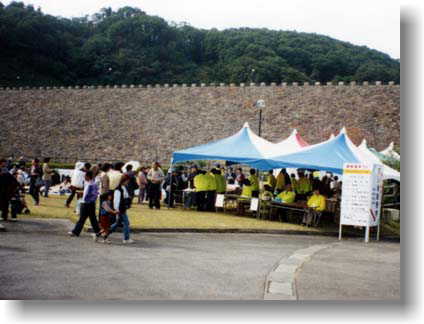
[{"x": 121, "y": 203}]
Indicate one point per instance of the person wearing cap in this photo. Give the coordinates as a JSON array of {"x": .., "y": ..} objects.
[
  {"x": 201, "y": 185},
  {"x": 86, "y": 167}
]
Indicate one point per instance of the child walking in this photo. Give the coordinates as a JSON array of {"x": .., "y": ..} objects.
[{"x": 106, "y": 213}]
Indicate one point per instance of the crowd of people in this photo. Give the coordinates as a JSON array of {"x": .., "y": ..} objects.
[{"x": 116, "y": 185}]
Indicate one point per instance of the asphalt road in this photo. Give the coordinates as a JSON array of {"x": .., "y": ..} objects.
[
  {"x": 352, "y": 270},
  {"x": 39, "y": 261}
]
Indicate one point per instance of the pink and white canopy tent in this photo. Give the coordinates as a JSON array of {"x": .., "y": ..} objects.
[{"x": 291, "y": 144}]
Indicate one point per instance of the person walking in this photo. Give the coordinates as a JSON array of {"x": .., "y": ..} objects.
[
  {"x": 155, "y": 176},
  {"x": 47, "y": 176},
  {"x": 88, "y": 207},
  {"x": 121, "y": 204},
  {"x": 132, "y": 184},
  {"x": 86, "y": 167},
  {"x": 106, "y": 214},
  {"x": 36, "y": 182}
]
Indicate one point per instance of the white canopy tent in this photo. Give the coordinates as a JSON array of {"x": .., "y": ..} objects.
[
  {"x": 390, "y": 152},
  {"x": 370, "y": 157}
]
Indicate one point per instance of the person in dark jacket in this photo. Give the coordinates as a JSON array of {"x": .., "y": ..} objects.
[
  {"x": 36, "y": 173},
  {"x": 121, "y": 204},
  {"x": 171, "y": 185},
  {"x": 8, "y": 187}
]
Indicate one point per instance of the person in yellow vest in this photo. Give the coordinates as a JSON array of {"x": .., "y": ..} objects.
[
  {"x": 287, "y": 196},
  {"x": 316, "y": 205},
  {"x": 211, "y": 190},
  {"x": 303, "y": 186},
  {"x": 246, "y": 194},
  {"x": 267, "y": 193},
  {"x": 280, "y": 182},
  {"x": 221, "y": 185},
  {"x": 272, "y": 180},
  {"x": 254, "y": 182},
  {"x": 200, "y": 185}
]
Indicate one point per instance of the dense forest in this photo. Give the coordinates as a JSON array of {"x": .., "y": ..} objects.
[{"x": 128, "y": 46}]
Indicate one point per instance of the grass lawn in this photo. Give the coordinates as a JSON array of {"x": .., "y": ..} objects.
[{"x": 141, "y": 217}]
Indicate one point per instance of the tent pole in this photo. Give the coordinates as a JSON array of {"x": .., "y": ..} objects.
[{"x": 170, "y": 187}]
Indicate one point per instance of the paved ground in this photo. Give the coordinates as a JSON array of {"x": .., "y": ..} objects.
[
  {"x": 352, "y": 270},
  {"x": 39, "y": 261}
]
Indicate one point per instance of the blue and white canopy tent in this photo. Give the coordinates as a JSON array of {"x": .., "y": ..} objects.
[
  {"x": 329, "y": 156},
  {"x": 244, "y": 147}
]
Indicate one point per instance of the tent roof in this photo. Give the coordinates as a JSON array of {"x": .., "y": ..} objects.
[
  {"x": 291, "y": 144},
  {"x": 388, "y": 172},
  {"x": 328, "y": 156},
  {"x": 243, "y": 147},
  {"x": 390, "y": 152}
]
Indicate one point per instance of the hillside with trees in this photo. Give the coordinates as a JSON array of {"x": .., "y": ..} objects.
[{"x": 128, "y": 46}]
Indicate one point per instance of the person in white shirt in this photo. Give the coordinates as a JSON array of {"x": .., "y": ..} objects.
[{"x": 155, "y": 177}]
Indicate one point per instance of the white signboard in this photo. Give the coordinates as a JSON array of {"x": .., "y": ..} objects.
[
  {"x": 254, "y": 204},
  {"x": 219, "y": 202},
  {"x": 361, "y": 195},
  {"x": 356, "y": 195}
]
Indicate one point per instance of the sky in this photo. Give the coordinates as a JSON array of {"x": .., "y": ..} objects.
[{"x": 373, "y": 23}]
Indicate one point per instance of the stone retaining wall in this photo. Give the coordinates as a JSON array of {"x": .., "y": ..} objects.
[{"x": 145, "y": 122}]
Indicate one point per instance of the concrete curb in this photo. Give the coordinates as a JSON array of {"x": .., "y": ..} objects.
[
  {"x": 247, "y": 231},
  {"x": 280, "y": 283},
  {"x": 2, "y": 228}
]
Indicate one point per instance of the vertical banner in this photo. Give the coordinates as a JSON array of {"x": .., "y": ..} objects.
[
  {"x": 362, "y": 191},
  {"x": 376, "y": 195}
]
